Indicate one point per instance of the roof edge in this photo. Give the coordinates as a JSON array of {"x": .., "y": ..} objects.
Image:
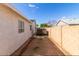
[{"x": 16, "y": 11}]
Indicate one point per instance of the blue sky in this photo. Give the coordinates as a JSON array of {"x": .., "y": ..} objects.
[{"x": 45, "y": 12}]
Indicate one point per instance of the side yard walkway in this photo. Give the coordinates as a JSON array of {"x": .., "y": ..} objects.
[{"x": 42, "y": 46}]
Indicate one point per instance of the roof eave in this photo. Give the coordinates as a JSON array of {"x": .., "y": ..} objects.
[{"x": 16, "y": 11}]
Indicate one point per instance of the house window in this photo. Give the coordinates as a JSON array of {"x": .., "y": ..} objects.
[
  {"x": 21, "y": 26},
  {"x": 30, "y": 27}
]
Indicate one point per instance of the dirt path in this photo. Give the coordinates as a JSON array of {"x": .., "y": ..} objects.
[{"x": 42, "y": 46}]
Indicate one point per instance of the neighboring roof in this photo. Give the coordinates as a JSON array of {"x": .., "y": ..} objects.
[
  {"x": 73, "y": 21},
  {"x": 61, "y": 21},
  {"x": 16, "y": 11},
  {"x": 33, "y": 20}
]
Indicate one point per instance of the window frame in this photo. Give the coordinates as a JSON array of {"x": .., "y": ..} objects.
[{"x": 20, "y": 26}]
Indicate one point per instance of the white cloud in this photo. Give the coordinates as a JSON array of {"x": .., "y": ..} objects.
[{"x": 32, "y": 6}]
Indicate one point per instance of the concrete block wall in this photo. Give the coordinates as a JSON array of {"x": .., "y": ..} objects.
[{"x": 66, "y": 37}]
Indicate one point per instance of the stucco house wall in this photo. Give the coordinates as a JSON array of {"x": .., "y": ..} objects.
[{"x": 10, "y": 38}]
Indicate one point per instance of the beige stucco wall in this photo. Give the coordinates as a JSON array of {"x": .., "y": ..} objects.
[
  {"x": 10, "y": 39},
  {"x": 55, "y": 33},
  {"x": 67, "y": 38},
  {"x": 70, "y": 39}
]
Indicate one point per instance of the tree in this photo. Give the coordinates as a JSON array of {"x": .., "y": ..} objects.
[{"x": 44, "y": 25}]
